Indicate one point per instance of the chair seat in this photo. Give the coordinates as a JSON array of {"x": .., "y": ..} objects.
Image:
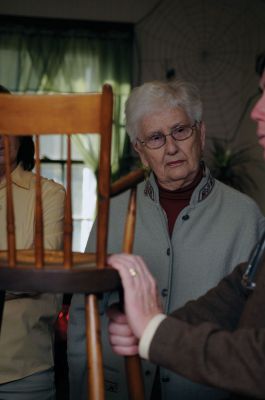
[{"x": 83, "y": 277}]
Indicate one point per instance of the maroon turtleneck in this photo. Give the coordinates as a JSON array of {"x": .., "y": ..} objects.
[{"x": 173, "y": 201}]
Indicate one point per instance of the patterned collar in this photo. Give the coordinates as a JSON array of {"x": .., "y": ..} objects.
[
  {"x": 201, "y": 192},
  {"x": 206, "y": 189}
]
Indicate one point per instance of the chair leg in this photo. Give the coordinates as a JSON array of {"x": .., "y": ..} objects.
[
  {"x": 2, "y": 302},
  {"x": 134, "y": 377},
  {"x": 132, "y": 364},
  {"x": 94, "y": 350}
]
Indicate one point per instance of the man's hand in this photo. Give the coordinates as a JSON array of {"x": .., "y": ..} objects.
[{"x": 121, "y": 337}]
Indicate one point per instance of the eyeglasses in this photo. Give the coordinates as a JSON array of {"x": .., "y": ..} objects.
[{"x": 158, "y": 139}]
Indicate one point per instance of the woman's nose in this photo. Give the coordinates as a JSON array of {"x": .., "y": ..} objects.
[{"x": 171, "y": 144}]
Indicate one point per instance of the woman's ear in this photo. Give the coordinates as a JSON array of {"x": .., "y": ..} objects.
[
  {"x": 135, "y": 146},
  {"x": 139, "y": 149},
  {"x": 202, "y": 134}
]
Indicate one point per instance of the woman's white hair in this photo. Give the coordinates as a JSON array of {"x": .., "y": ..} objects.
[{"x": 157, "y": 96}]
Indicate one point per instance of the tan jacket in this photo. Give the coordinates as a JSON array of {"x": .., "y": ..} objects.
[{"x": 26, "y": 340}]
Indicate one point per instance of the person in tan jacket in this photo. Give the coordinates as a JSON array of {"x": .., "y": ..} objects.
[{"x": 26, "y": 340}]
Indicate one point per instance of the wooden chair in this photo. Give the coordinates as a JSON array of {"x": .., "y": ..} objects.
[{"x": 64, "y": 271}]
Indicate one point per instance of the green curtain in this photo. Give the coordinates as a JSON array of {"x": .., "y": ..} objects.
[{"x": 47, "y": 59}]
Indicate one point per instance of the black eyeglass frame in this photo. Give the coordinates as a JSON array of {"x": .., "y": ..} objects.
[{"x": 192, "y": 127}]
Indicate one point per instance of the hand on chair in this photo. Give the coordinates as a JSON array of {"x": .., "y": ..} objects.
[{"x": 141, "y": 303}]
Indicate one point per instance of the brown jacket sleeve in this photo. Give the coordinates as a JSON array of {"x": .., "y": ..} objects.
[
  {"x": 222, "y": 305},
  {"x": 214, "y": 352}
]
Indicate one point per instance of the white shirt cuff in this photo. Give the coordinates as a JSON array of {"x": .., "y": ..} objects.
[{"x": 148, "y": 335}]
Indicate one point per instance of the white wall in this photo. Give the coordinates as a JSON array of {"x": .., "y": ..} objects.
[
  {"x": 210, "y": 42},
  {"x": 214, "y": 44}
]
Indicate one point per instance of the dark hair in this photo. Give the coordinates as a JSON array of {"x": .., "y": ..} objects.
[
  {"x": 260, "y": 63},
  {"x": 4, "y": 89},
  {"x": 25, "y": 155}
]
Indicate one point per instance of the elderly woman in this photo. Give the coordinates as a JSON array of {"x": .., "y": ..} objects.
[
  {"x": 188, "y": 229},
  {"x": 26, "y": 340},
  {"x": 218, "y": 339}
]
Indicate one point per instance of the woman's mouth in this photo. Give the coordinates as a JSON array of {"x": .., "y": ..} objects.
[{"x": 175, "y": 163}]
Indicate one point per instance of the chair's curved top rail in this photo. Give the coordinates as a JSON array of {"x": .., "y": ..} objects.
[{"x": 22, "y": 115}]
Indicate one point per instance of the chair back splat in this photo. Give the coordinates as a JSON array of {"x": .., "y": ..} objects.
[{"x": 57, "y": 271}]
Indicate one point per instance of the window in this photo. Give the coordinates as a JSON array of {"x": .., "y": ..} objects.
[{"x": 39, "y": 55}]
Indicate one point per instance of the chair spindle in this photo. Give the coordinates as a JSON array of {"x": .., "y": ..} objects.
[
  {"x": 95, "y": 362},
  {"x": 68, "y": 224},
  {"x": 132, "y": 363},
  {"x": 104, "y": 178},
  {"x": 11, "y": 238},
  {"x": 39, "y": 252}
]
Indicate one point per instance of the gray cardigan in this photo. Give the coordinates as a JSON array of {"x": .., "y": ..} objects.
[{"x": 215, "y": 232}]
